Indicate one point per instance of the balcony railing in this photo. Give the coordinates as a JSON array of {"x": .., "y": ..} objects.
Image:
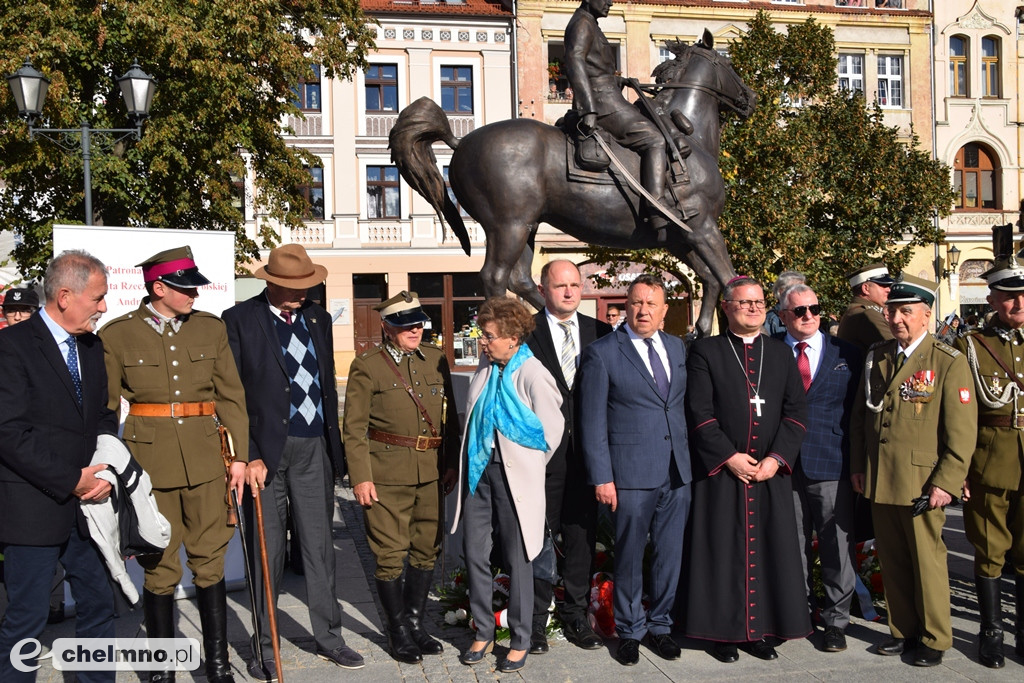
[{"x": 311, "y": 125}]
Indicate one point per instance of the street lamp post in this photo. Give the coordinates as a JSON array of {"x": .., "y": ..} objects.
[{"x": 29, "y": 87}]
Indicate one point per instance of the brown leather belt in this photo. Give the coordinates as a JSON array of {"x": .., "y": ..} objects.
[
  {"x": 1016, "y": 421},
  {"x": 420, "y": 443},
  {"x": 194, "y": 409}
]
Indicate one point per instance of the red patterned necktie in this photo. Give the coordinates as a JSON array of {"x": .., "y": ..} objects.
[
  {"x": 287, "y": 315},
  {"x": 803, "y": 364}
]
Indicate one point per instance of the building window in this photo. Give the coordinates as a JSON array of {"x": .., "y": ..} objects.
[
  {"x": 990, "y": 66},
  {"x": 851, "y": 3},
  {"x": 313, "y": 191},
  {"x": 452, "y": 301},
  {"x": 457, "y": 89},
  {"x": 851, "y": 73},
  {"x": 382, "y": 87},
  {"x": 958, "y": 66},
  {"x": 307, "y": 92},
  {"x": 975, "y": 173},
  {"x": 382, "y": 192},
  {"x": 890, "y": 81}
]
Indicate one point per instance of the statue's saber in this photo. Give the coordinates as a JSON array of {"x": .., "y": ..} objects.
[{"x": 656, "y": 120}]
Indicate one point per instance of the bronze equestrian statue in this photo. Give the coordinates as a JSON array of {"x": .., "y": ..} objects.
[{"x": 514, "y": 174}]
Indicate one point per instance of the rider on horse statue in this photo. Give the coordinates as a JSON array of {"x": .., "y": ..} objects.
[{"x": 590, "y": 66}]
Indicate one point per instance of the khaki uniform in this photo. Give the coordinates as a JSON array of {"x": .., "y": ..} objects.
[
  {"x": 863, "y": 324},
  {"x": 994, "y": 516},
  {"x": 914, "y": 434},
  {"x": 181, "y": 455},
  {"x": 406, "y": 520}
]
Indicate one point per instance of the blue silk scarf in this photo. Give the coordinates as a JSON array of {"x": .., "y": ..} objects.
[{"x": 499, "y": 408}]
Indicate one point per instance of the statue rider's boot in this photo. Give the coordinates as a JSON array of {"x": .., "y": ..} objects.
[
  {"x": 158, "y": 613},
  {"x": 213, "y": 619},
  {"x": 652, "y": 176},
  {"x": 990, "y": 638}
]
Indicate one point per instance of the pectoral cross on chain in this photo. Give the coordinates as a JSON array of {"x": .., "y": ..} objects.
[{"x": 757, "y": 402}]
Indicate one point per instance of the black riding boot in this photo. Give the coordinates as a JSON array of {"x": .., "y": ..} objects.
[
  {"x": 990, "y": 639},
  {"x": 542, "y": 591},
  {"x": 417, "y": 587},
  {"x": 158, "y": 613},
  {"x": 400, "y": 642},
  {"x": 213, "y": 607},
  {"x": 1020, "y": 616}
]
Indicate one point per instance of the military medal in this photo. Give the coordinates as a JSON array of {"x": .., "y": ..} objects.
[{"x": 918, "y": 388}]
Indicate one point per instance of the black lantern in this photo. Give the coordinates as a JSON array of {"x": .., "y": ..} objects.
[
  {"x": 28, "y": 87},
  {"x": 137, "y": 88}
]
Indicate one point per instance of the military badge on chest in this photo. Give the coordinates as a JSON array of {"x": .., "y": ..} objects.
[{"x": 918, "y": 388}]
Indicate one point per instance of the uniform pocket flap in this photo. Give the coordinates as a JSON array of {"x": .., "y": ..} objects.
[
  {"x": 198, "y": 353},
  {"x": 140, "y": 357},
  {"x": 924, "y": 458},
  {"x": 138, "y": 433}
]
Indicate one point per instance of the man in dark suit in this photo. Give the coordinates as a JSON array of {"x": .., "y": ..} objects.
[
  {"x": 822, "y": 494},
  {"x": 557, "y": 340},
  {"x": 284, "y": 349},
  {"x": 633, "y": 429},
  {"x": 53, "y": 403}
]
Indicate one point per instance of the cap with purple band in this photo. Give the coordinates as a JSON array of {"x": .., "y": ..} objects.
[{"x": 175, "y": 267}]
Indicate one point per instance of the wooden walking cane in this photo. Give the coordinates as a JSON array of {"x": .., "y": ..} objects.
[{"x": 264, "y": 563}]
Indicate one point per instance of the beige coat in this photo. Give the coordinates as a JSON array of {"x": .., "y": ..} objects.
[{"x": 524, "y": 467}]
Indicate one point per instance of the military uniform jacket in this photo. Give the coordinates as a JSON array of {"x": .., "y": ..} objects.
[
  {"x": 193, "y": 364},
  {"x": 863, "y": 324},
  {"x": 925, "y": 429},
  {"x": 376, "y": 399},
  {"x": 997, "y": 456}
]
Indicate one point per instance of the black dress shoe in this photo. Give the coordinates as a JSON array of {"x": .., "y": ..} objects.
[
  {"x": 343, "y": 656},
  {"x": 926, "y": 656},
  {"x": 835, "y": 639},
  {"x": 726, "y": 653},
  {"x": 628, "y": 652},
  {"x": 471, "y": 657},
  {"x": 56, "y": 615},
  {"x": 663, "y": 646},
  {"x": 891, "y": 647},
  {"x": 538, "y": 643},
  {"x": 262, "y": 671},
  {"x": 762, "y": 649},
  {"x": 578, "y": 632}
]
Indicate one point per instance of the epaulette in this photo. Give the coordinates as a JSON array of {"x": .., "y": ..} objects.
[
  {"x": 947, "y": 349},
  {"x": 369, "y": 352}
]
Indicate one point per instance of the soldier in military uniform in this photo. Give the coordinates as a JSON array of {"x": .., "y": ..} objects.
[
  {"x": 402, "y": 445},
  {"x": 174, "y": 367},
  {"x": 863, "y": 322},
  {"x": 912, "y": 434},
  {"x": 994, "y": 511}
]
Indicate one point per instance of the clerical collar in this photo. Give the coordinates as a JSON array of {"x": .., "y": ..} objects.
[
  {"x": 745, "y": 340},
  {"x": 913, "y": 345},
  {"x": 158, "y": 320},
  {"x": 398, "y": 355}
]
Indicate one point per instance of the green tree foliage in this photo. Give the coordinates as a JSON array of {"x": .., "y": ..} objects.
[
  {"x": 815, "y": 179},
  {"x": 225, "y": 72}
]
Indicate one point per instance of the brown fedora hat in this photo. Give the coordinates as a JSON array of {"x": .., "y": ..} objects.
[{"x": 290, "y": 266}]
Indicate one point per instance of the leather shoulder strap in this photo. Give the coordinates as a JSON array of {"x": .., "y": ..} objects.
[{"x": 1009, "y": 373}]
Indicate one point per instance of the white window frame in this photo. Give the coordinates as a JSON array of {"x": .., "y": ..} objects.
[
  {"x": 885, "y": 75},
  {"x": 844, "y": 69},
  {"x": 360, "y": 82}
]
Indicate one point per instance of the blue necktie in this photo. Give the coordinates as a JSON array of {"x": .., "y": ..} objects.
[
  {"x": 657, "y": 368},
  {"x": 76, "y": 378}
]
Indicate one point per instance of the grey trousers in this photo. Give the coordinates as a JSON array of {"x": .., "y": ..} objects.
[
  {"x": 826, "y": 507},
  {"x": 488, "y": 510},
  {"x": 305, "y": 482}
]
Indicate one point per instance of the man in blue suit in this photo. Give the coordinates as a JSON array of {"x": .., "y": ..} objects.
[
  {"x": 633, "y": 430},
  {"x": 822, "y": 493}
]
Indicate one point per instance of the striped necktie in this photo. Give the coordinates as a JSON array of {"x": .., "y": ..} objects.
[{"x": 568, "y": 358}]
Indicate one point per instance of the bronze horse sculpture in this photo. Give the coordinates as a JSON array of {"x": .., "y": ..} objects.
[{"x": 512, "y": 175}]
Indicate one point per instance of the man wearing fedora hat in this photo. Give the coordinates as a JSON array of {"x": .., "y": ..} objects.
[
  {"x": 173, "y": 365},
  {"x": 402, "y": 442},
  {"x": 283, "y": 345},
  {"x": 19, "y": 303},
  {"x": 911, "y": 438},
  {"x": 863, "y": 322}
]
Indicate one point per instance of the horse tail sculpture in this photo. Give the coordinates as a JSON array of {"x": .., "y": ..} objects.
[{"x": 419, "y": 126}]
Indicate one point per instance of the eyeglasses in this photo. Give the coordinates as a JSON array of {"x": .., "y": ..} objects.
[
  {"x": 488, "y": 337},
  {"x": 799, "y": 311},
  {"x": 755, "y": 304}
]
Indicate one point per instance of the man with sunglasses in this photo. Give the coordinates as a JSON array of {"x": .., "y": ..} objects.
[
  {"x": 401, "y": 436},
  {"x": 822, "y": 494},
  {"x": 174, "y": 367}
]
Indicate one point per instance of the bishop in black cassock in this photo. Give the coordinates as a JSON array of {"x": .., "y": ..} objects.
[{"x": 744, "y": 581}]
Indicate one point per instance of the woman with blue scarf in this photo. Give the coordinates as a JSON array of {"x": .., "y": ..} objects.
[{"x": 513, "y": 425}]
